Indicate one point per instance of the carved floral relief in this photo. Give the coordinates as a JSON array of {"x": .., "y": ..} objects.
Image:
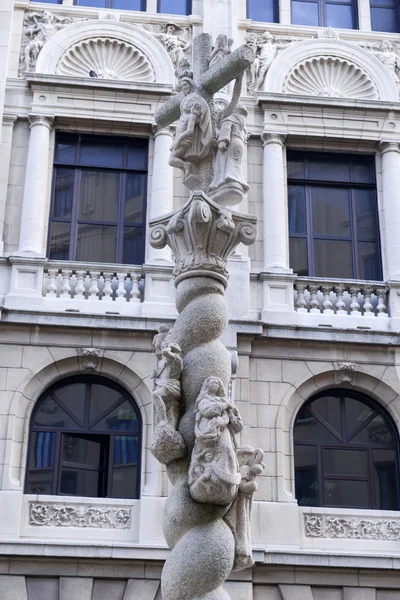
[
  {"x": 353, "y": 528},
  {"x": 64, "y": 515}
]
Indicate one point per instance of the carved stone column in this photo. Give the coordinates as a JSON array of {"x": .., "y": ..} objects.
[
  {"x": 276, "y": 256},
  {"x": 277, "y": 277},
  {"x": 390, "y": 227},
  {"x": 35, "y": 190}
]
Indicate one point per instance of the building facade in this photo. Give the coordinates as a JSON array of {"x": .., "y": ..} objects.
[{"x": 314, "y": 303}]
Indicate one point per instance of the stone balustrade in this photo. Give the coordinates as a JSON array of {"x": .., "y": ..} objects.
[
  {"x": 341, "y": 298},
  {"x": 81, "y": 287}
]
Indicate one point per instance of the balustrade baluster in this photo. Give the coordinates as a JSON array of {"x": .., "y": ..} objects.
[
  {"x": 340, "y": 304},
  {"x": 121, "y": 292},
  {"x": 327, "y": 304},
  {"x": 355, "y": 305},
  {"x": 381, "y": 306},
  {"x": 368, "y": 307},
  {"x": 107, "y": 290},
  {"x": 314, "y": 302},
  {"x": 301, "y": 303},
  {"x": 94, "y": 288},
  {"x": 51, "y": 288},
  {"x": 80, "y": 286},
  {"x": 66, "y": 287},
  {"x": 135, "y": 293}
]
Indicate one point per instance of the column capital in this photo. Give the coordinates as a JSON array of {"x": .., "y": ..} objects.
[
  {"x": 46, "y": 121},
  {"x": 385, "y": 146},
  {"x": 273, "y": 138},
  {"x": 168, "y": 130},
  {"x": 9, "y": 119}
]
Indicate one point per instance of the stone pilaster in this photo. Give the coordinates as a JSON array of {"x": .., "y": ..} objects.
[{"x": 5, "y": 156}]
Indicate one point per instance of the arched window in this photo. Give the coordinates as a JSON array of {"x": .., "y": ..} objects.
[
  {"x": 345, "y": 453},
  {"x": 85, "y": 440}
]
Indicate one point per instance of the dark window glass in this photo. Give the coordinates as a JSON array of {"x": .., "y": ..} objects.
[
  {"x": 175, "y": 7},
  {"x": 385, "y": 17},
  {"x": 340, "y": 13},
  {"x": 85, "y": 441},
  {"x": 97, "y": 199},
  {"x": 120, "y": 4},
  {"x": 345, "y": 453},
  {"x": 264, "y": 10},
  {"x": 333, "y": 220}
]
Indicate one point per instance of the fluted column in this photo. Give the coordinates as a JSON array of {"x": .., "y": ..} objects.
[
  {"x": 162, "y": 188},
  {"x": 390, "y": 228},
  {"x": 35, "y": 190},
  {"x": 276, "y": 246}
]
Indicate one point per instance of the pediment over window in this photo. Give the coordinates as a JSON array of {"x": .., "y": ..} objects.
[
  {"x": 330, "y": 68},
  {"x": 106, "y": 50}
]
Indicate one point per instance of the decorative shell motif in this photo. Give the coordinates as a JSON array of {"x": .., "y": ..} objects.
[
  {"x": 330, "y": 77},
  {"x": 106, "y": 58}
]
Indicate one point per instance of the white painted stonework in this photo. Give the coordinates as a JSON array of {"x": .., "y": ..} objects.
[{"x": 310, "y": 89}]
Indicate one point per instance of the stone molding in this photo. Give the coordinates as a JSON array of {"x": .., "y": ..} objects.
[
  {"x": 41, "y": 120},
  {"x": 43, "y": 514},
  {"x": 9, "y": 120},
  {"x": 352, "y": 528},
  {"x": 106, "y": 58},
  {"x": 307, "y": 50},
  {"x": 273, "y": 138},
  {"x": 330, "y": 77}
]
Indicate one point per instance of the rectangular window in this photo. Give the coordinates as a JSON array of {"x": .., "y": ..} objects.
[
  {"x": 325, "y": 13},
  {"x": 175, "y": 7},
  {"x": 385, "y": 16},
  {"x": 263, "y": 10},
  {"x": 333, "y": 220},
  {"x": 119, "y": 4},
  {"x": 99, "y": 200}
]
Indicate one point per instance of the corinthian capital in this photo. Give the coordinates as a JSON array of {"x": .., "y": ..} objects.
[
  {"x": 41, "y": 120},
  {"x": 273, "y": 138},
  {"x": 167, "y": 130},
  {"x": 389, "y": 147}
]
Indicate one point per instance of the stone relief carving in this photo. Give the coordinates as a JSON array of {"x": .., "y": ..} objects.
[
  {"x": 353, "y": 528},
  {"x": 330, "y": 77},
  {"x": 39, "y": 27},
  {"x": 266, "y": 47},
  {"x": 89, "y": 358},
  {"x": 345, "y": 372},
  {"x": 389, "y": 55},
  {"x": 168, "y": 444},
  {"x": 106, "y": 58},
  {"x": 175, "y": 39},
  {"x": 229, "y": 185},
  {"x": 328, "y": 34},
  {"x": 214, "y": 474},
  {"x": 76, "y": 515}
]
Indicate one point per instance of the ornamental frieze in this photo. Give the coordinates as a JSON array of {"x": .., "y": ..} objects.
[
  {"x": 79, "y": 515},
  {"x": 352, "y": 528}
]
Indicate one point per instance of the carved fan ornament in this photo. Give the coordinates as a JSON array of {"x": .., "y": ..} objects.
[
  {"x": 106, "y": 58},
  {"x": 330, "y": 77}
]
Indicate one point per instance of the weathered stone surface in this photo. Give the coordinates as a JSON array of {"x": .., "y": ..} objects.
[
  {"x": 296, "y": 592},
  {"x": 105, "y": 589},
  {"x": 141, "y": 590},
  {"x": 42, "y": 587},
  {"x": 72, "y": 588}
]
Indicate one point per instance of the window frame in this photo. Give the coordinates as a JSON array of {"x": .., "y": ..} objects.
[
  {"x": 189, "y": 9},
  {"x": 395, "y": 8},
  {"x": 322, "y": 13},
  {"x": 74, "y": 221},
  {"x": 307, "y": 183},
  {"x": 275, "y": 9},
  {"x": 107, "y": 436},
  {"x": 109, "y": 4},
  {"x": 322, "y": 474}
]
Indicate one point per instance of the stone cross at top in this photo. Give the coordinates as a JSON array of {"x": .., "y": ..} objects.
[{"x": 195, "y": 143}]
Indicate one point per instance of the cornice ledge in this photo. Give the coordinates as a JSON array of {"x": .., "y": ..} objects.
[
  {"x": 38, "y": 80},
  {"x": 267, "y": 98}
]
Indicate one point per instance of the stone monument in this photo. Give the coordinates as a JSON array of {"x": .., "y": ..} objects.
[{"x": 207, "y": 515}]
